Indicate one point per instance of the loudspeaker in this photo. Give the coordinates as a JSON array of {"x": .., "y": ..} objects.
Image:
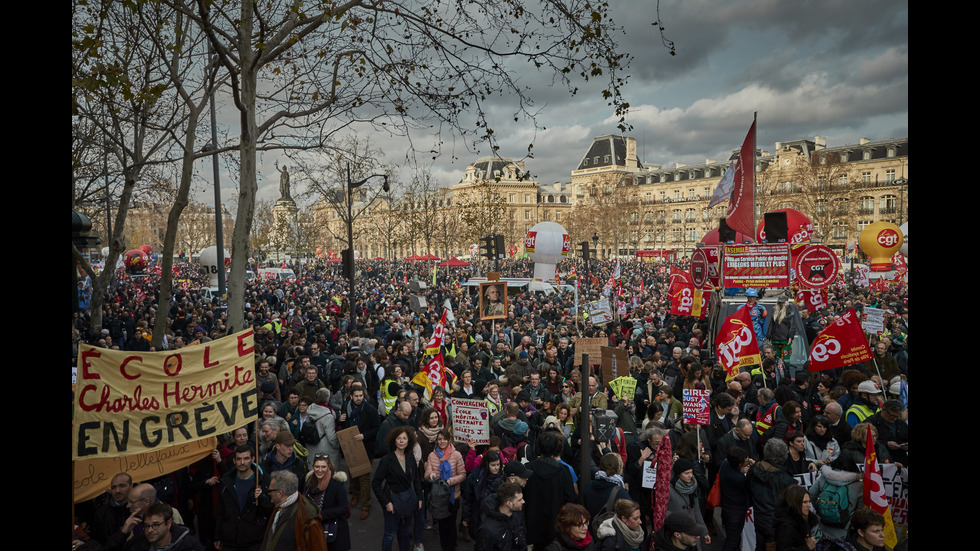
[
  {"x": 775, "y": 227},
  {"x": 725, "y": 233}
]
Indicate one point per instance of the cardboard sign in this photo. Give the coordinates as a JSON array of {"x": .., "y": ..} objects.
[
  {"x": 592, "y": 347},
  {"x": 358, "y": 462},
  {"x": 697, "y": 406},
  {"x": 471, "y": 421},
  {"x": 615, "y": 363},
  {"x": 132, "y": 402},
  {"x": 93, "y": 476},
  {"x": 756, "y": 266}
]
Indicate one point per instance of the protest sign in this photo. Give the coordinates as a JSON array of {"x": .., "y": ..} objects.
[
  {"x": 756, "y": 266},
  {"x": 358, "y": 462},
  {"x": 649, "y": 475},
  {"x": 873, "y": 320},
  {"x": 697, "y": 406},
  {"x": 817, "y": 266},
  {"x": 600, "y": 312},
  {"x": 471, "y": 421},
  {"x": 132, "y": 402},
  {"x": 592, "y": 347},
  {"x": 624, "y": 387},
  {"x": 615, "y": 363},
  {"x": 93, "y": 476}
]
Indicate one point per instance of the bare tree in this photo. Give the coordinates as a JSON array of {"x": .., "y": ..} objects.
[{"x": 300, "y": 74}]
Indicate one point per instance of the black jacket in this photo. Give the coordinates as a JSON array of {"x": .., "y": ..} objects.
[
  {"x": 497, "y": 531},
  {"x": 549, "y": 487},
  {"x": 240, "y": 527}
]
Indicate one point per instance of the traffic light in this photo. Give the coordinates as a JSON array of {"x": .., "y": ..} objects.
[
  {"x": 486, "y": 247},
  {"x": 498, "y": 246},
  {"x": 347, "y": 263},
  {"x": 584, "y": 251}
]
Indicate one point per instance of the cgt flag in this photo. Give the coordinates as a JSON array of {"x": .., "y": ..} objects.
[
  {"x": 737, "y": 346},
  {"x": 812, "y": 299},
  {"x": 686, "y": 300},
  {"x": 433, "y": 373},
  {"x": 874, "y": 491},
  {"x": 841, "y": 343},
  {"x": 677, "y": 276}
]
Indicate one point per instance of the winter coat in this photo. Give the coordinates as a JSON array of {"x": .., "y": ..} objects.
[
  {"x": 767, "y": 482},
  {"x": 855, "y": 494},
  {"x": 549, "y": 487},
  {"x": 333, "y": 507}
]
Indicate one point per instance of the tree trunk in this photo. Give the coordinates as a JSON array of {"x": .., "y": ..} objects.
[
  {"x": 170, "y": 237},
  {"x": 100, "y": 285},
  {"x": 248, "y": 184}
]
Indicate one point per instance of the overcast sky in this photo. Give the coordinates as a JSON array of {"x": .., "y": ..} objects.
[{"x": 836, "y": 68}]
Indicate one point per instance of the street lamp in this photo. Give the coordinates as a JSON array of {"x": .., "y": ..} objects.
[{"x": 351, "y": 186}]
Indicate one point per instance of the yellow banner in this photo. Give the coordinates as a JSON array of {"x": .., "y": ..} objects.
[
  {"x": 131, "y": 402},
  {"x": 93, "y": 476}
]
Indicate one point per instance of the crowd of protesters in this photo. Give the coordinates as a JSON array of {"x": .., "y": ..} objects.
[{"x": 318, "y": 372}]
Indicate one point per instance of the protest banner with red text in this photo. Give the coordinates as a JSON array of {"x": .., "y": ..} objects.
[
  {"x": 132, "y": 402},
  {"x": 840, "y": 344},
  {"x": 756, "y": 266},
  {"x": 737, "y": 346},
  {"x": 471, "y": 421}
]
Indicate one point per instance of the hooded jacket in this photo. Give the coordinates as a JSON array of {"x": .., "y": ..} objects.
[{"x": 549, "y": 487}]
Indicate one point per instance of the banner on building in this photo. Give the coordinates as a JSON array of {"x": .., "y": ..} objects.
[
  {"x": 135, "y": 402},
  {"x": 756, "y": 266},
  {"x": 471, "y": 421}
]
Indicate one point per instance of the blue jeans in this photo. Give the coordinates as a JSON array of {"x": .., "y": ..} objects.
[{"x": 401, "y": 527}]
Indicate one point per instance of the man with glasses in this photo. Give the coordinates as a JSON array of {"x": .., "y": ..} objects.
[
  {"x": 285, "y": 532},
  {"x": 156, "y": 530}
]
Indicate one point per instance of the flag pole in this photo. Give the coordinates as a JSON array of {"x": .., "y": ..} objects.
[{"x": 755, "y": 179}]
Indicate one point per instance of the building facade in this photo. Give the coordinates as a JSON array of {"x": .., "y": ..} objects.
[{"x": 632, "y": 207}]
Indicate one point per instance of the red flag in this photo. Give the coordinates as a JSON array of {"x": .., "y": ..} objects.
[
  {"x": 874, "y": 490},
  {"x": 736, "y": 343},
  {"x": 685, "y": 300},
  {"x": 812, "y": 299},
  {"x": 841, "y": 343},
  {"x": 678, "y": 276},
  {"x": 433, "y": 373},
  {"x": 642, "y": 287},
  {"x": 741, "y": 205}
]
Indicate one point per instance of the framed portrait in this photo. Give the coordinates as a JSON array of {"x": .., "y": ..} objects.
[{"x": 493, "y": 300}]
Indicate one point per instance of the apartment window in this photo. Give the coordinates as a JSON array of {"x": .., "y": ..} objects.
[
  {"x": 890, "y": 175},
  {"x": 689, "y": 215},
  {"x": 866, "y": 155},
  {"x": 892, "y": 151},
  {"x": 821, "y": 206},
  {"x": 563, "y": 199},
  {"x": 866, "y": 177},
  {"x": 842, "y": 180},
  {"x": 677, "y": 195},
  {"x": 557, "y": 216},
  {"x": 676, "y": 234},
  {"x": 663, "y": 195},
  {"x": 840, "y": 230},
  {"x": 527, "y": 215},
  {"x": 649, "y": 197},
  {"x": 889, "y": 204},
  {"x": 513, "y": 198},
  {"x": 690, "y": 194},
  {"x": 867, "y": 205},
  {"x": 677, "y": 215},
  {"x": 840, "y": 207}
]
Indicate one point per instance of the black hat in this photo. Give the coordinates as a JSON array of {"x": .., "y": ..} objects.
[{"x": 516, "y": 468}]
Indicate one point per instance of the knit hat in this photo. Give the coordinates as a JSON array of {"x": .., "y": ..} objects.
[
  {"x": 520, "y": 427},
  {"x": 682, "y": 465}
]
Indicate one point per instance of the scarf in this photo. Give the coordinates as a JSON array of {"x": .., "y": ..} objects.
[
  {"x": 584, "y": 542},
  {"x": 633, "y": 537},
  {"x": 430, "y": 433},
  {"x": 685, "y": 488},
  {"x": 446, "y": 471},
  {"x": 616, "y": 479}
]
